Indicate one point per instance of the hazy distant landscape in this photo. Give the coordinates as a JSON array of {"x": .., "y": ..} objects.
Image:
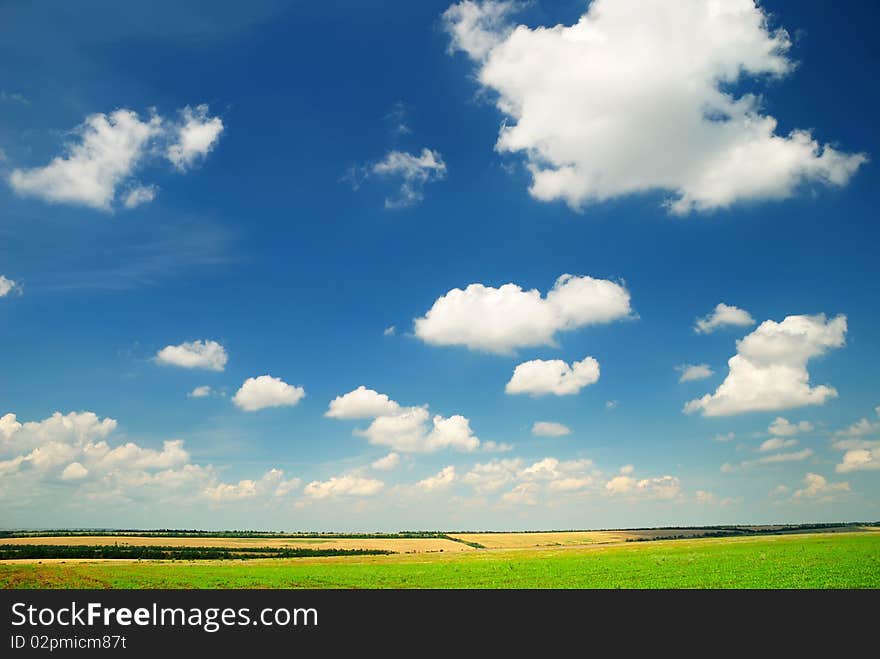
[{"x": 778, "y": 556}]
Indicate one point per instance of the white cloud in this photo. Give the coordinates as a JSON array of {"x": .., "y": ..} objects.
[
  {"x": 611, "y": 404},
  {"x": 784, "y": 428},
  {"x": 866, "y": 458},
  {"x": 272, "y": 484},
  {"x": 195, "y": 135},
  {"x": 859, "y": 454},
  {"x": 539, "y": 377},
  {"x": 408, "y": 431},
  {"x": 391, "y": 330},
  {"x": 200, "y": 392},
  {"x": 142, "y": 194},
  {"x": 550, "y": 429},
  {"x": 724, "y": 437},
  {"x": 442, "y": 480},
  {"x": 779, "y": 491},
  {"x": 343, "y": 486},
  {"x": 706, "y": 498},
  {"x": 769, "y": 371},
  {"x": 776, "y": 443},
  {"x": 362, "y": 403},
  {"x": 605, "y": 107},
  {"x": 105, "y": 152},
  {"x": 387, "y": 463},
  {"x": 7, "y": 286},
  {"x": 861, "y": 428},
  {"x": 208, "y": 355},
  {"x": 73, "y": 472},
  {"x": 658, "y": 487},
  {"x": 818, "y": 487},
  {"x": 774, "y": 458},
  {"x": 489, "y": 477},
  {"x": 405, "y": 429},
  {"x": 690, "y": 372},
  {"x": 489, "y": 446},
  {"x": 524, "y": 494},
  {"x": 265, "y": 391},
  {"x": 795, "y": 456},
  {"x": 413, "y": 171},
  {"x": 503, "y": 319},
  {"x": 723, "y": 315}
]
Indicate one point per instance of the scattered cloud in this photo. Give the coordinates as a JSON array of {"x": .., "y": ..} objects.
[
  {"x": 141, "y": 194},
  {"x": 604, "y": 108},
  {"x": 343, "y": 486},
  {"x": 7, "y": 286},
  {"x": 442, "y": 480},
  {"x": 782, "y": 427},
  {"x": 817, "y": 487},
  {"x": 724, "y": 437},
  {"x": 106, "y": 150},
  {"x": 707, "y": 498},
  {"x": 265, "y": 391},
  {"x": 524, "y": 494},
  {"x": 658, "y": 487},
  {"x": 387, "y": 463},
  {"x": 362, "y": 403},
  {"x": 13, "y": 97},
  {"x": 690, "y": 372},
  {"x": 272, "y": 484},
  {"x": 866, "y": 458},
  {"x": 775, "y": 458},
  {"x": 860, "y": 454},
  {"x": 410, "y": 172},
  {"x": 611, "y": 404},
  {"x": 200, "y": 392},
  {"x": 539, "y": 377},
  {"x": 723, "y": 315},
  {"x": 195, "y": 136},
  {"x": 776, "y": 443},
  {"x": 208, "y": 355},
  {"x": 550, "y": 429},
  {"x": 391, "y": 330},
  {"x": 404, "y": 429},
  {"x": 74, "y": 450},
  {"x": 769, "y": 371},
  {"x": 500, "y": 320}
]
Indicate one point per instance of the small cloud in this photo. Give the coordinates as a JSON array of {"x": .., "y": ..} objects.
[
  {"x": 690, "y": 372},
  {"x": 200, "y": 392},
  {"x": 550, "y": 429},
  {"x": 723, "y": 316},
  {"x": 387, "y": 463},
  {"x": 8, "y": 286},
  {"x": 776, "y": 443},
  {"x": 389, "y": 331},
  {"x": 724, "y": 437},
  {"x": 141, "y": 194},
  {"x": 781, "y": 427},
  {"x": 208, "y": 355},
  {"x": 611, "y": 404},
  {"x": 265, "y": 391},
  {"x": 13, "y": 97}
]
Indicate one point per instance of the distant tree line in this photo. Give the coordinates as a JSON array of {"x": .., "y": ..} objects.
[{"x": 173, "y": 553}]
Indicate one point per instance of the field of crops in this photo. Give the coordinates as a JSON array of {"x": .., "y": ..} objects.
[{"x": 823, "y": 560}]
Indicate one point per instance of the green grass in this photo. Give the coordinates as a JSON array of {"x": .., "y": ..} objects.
[{"x": 845, "y": 560}]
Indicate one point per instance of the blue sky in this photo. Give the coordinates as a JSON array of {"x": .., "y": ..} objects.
[{"x": 320, "y": 174}]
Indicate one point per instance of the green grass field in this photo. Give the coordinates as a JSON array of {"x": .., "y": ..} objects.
[{"x": 843, "y": 560}]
